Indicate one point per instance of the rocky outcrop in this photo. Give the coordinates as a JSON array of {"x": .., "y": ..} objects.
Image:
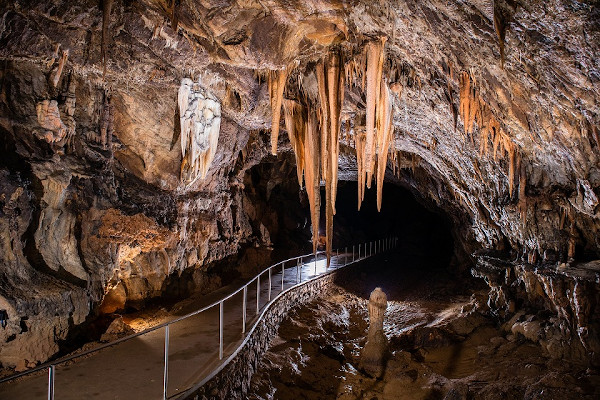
[{"x": 557, "y": 307}]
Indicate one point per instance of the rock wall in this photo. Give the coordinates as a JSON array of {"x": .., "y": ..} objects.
[{"x": 557, "y": 307}]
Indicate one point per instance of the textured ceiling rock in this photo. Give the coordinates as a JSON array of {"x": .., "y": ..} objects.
[{"x": 85, "y": 134}]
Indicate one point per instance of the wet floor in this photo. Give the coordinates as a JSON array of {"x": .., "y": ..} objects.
[{"x": 440, "y": 346}]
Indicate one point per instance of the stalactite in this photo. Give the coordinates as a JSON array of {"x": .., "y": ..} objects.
[
  {"x": 323, "y": 114},
  {"x": 572, "y": 238},
  {"x": 384, "y": 136},
  {"x": 510, "y": 148},
  {"x": 295, "y": 124},
  {"x": 483, "y": 118},
  {"x": 61, "y": 64},
  {"x": 106, "y": 124},
  {"x": 522, "y": 192},
  {"x": 277, "y": 80},
  {"x": 174, "y": 18},
  {"x": 500, "y": 25},
  {"x": 106, "y": 9},
  {"x": 464, "y": 101},
  {"x": 311, "y": 173},
  {"x": 451, "y": 104},
  {"x": 374, "y": 74},
  {"x": 469, "y": 102},
  {"x": 360, "y": 140},
  {"x": 330, "y": 80}
]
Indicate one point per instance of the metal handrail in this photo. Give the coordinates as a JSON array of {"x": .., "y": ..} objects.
[{"x": 50, "y": 366}]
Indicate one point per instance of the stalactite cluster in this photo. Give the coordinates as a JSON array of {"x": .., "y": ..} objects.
[
  {"x": 314, "y": 132},
  {"x": 379, "y": 128},
  {"x": 473, "y": 109}
]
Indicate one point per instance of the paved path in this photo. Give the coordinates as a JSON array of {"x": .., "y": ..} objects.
[{"x": 134, "y": 369}]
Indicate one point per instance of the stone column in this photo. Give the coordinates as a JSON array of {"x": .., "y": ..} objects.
[{"x": 372, "y": 357}]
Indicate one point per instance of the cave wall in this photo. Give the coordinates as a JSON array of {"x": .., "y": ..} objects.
[{"x": 94, "y": 208}]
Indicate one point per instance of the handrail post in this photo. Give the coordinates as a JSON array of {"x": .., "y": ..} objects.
[
  {"x": 257, "y": 294},
  {"x": 316, "y": 256},
  {"x": 51, "y": 382},
  {"x": 269, "y": 284},
  {"x": 345, "y": 255},
  {"x": 282, "y": 274},
  {"x": 244, "y": 305},
  {"x": 359, "y": 251},
  {"x": 298, "y": 261},
  {"x": 166, "y": 364},
  {"x": 352, "y": 253},
  {"x": 221, "y": 330}
]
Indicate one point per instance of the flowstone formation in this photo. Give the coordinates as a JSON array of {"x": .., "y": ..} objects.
[
  {"x": 150, "y": 113},
  {"x": 373, "y": 356},
  {"x": 200, "y": 120}
]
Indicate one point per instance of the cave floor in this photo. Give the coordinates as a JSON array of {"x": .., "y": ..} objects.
[
  {"x": 134, "y": 369},
  {"x": 440, "y": 346}
]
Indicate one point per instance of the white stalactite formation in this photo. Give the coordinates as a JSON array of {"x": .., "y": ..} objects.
[{"x": 200, "y": 118}]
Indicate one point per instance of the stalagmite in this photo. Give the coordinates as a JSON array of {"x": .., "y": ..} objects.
[
  {"x": 372, "y": 357},
  {"x": 277, "y": 80}
]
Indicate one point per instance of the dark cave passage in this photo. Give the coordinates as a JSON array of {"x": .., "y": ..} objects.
[
  {"x": 423, "y": 235},
  {"x": 279, "y": 215}
]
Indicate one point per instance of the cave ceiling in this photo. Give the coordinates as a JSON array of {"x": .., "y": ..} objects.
[{"x": 494, "y": 104}]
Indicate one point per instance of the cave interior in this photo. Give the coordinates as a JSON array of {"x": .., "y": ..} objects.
[{"x": 157, "y": 151}]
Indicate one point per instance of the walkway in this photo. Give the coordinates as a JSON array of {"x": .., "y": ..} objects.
[{"x": 134, "y": 369}]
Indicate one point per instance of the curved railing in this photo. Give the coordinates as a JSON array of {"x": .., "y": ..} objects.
[{"x": 276, "y": 279}]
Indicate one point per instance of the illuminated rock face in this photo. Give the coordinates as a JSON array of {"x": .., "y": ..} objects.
[
  {"x": 372, "y": 357},
  {"x": 155, "y": 110}
]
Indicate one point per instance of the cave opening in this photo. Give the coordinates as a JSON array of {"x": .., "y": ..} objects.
[
  {"x": 423, "y": 234},
  {"x": 279, "y": 217}
]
